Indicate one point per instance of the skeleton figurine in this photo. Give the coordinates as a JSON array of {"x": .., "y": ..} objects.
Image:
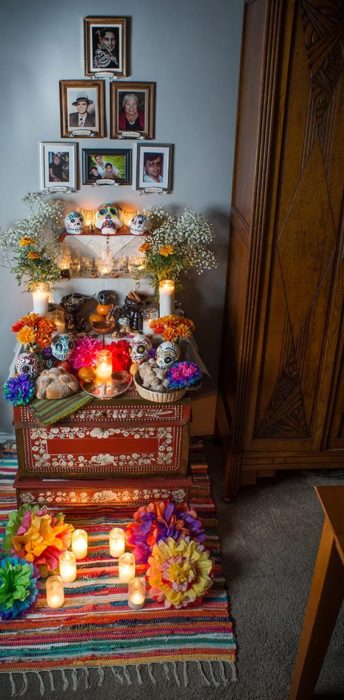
[
  {"x": 108, "y": 219},
  {"x": 74, "y": 222}
]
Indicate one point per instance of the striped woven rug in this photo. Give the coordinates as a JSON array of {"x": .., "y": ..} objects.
[{"x": 95, "y": 627}]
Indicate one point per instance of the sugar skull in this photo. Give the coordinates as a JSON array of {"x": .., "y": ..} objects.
[
  {"x": 108, "y": 219},
  {"x": 140, "y": 348},
  {"x": 62, "y": 346},
  {"x": 74, "y": 222},
  {"x": 139, "y": 225},
  {"x": 166, "y": 354},
  {"x": 28, "y": 363}
]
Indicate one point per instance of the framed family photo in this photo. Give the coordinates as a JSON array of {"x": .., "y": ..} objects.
[
  {"x": 106, "y": 41},
  {"x": 59, "y": 165},
  {"x": 82, "y": 108},
  {"x": 106, "y": 166},
  {"x": 132, "y": 110},
  {"x": 154, "y": 166}
]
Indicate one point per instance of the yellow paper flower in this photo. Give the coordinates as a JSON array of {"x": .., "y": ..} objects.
[
  {"x": 179, "y": 572},
  {"x": 41, "y": 538},
  {"x": 166, "y": 250},
  {"x": 32, "y": 255},
  {"x": 26, "y": 241}
]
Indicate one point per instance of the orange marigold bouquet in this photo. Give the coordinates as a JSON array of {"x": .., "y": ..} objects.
[
  {"x": 34, "y": 331},
  {"x": 173, "y": 327}
]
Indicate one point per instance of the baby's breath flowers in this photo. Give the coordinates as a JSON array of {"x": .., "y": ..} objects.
[{"x": 176, "y": 245}]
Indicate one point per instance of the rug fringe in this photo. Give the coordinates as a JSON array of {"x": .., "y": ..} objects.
[{"x": 212, "y": 674}]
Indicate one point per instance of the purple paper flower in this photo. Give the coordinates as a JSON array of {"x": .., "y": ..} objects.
[
  {"x": 183, "y": 374},
  {"x": 19, "y": 390}
]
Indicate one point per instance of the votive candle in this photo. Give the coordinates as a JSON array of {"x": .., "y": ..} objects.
[
  {"x": 103, "y": 367},
  {"x": 116, "y": 542},
  {"x": 166, "y": 297},
  {"x": 136, "y": 593},
  {"x": 55, "y": 591},
  {"x": 126, "y": 567},
  {"x": 79, "y": 543},
  {"x": 67, "y": 562}
]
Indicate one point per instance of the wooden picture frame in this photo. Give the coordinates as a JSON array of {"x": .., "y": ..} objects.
[
  {"x": 132, "y": 110},
  {"x": 154, "y": 166},
  {"x": 82, "y": 99},
  {"x": 58, "y": 165},
  {"x": 106, "y": 46},
  {"x": 96, "y": 166}
]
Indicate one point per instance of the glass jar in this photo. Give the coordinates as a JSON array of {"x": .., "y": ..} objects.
[{"x": 149, "y": 315}]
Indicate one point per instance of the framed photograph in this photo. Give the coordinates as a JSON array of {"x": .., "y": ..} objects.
[
  {"x": 132, "y": 110},
  {"x": 106, "y": 41},
  {"x": 154, "y": 166},
  {"x": 82, "y": 108},
  {"x": 59, "y": 165},
  {"x": 104, "y": 167}
]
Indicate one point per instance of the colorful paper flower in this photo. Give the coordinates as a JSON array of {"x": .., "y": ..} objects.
[
  {"x": 84, "y": 352},
  {"x": 183, "y": 374},
  {"x": 18, "y": 587},
  {"x": 19, "y": 390},
  {"x": 160, "y": 520},
  {"x": 179, "y": 572},
  {"x": 37, "y": 536},
  {"x": 120, "y": 351}
]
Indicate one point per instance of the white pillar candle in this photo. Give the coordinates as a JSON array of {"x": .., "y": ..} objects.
[
  {"x": 166, "y": 297},
  {"x": 79, "y": 543},
  {"x": 116, "y": 542},
  {"x": 136, "y": 593},
  {"x": 55, "y": 591},
  {"x": 126, "y": 567},
  {"x": 67, "y": 562},
  {"x": 40, "y": 299}
]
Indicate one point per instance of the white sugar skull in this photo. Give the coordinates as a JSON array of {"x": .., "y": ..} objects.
[
  {"x": 28, "y": 363},
  {"x": 140, "y": 347},
  {"x": 62, "y": 346},
  {"x": 166, "y": 354},
  {"x": 108, "y": 219},
  {"x": 139, "y": 225},
  {"x": 74, "y": 222}
]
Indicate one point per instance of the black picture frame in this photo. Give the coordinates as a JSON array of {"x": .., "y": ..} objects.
[{"x": 95, "y": 162}]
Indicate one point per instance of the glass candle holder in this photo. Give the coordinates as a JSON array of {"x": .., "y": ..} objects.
[
  {"x": 67, "y": 562},
  {"x": 136, "y": 593},
  {"x": 103, "y": 367},
  {"x": 79, "y": 543},
  {"x": 148, "y": 316},
  {"x": 116, "y": 542},
  {"x": 126, "y": 567},
  {"x": 55, "y": 591},
  {"x": 166, "y": 297}
]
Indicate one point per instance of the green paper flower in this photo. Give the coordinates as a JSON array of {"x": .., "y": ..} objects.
[{"x": 18, "y": 587}]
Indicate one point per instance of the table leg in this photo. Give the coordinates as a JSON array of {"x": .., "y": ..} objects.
[{"x": 323, "y": 605}]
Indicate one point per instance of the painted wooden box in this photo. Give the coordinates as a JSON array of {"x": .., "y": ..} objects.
[{"x": 126, "y": 437}]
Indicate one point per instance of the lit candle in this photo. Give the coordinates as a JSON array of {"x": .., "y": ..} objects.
[
  {"x": 104, "y": 367},
  {"x": 79, "y": 543},
  {"x": 116, "y": 542},
  {"x": 55, "y": 591},
  {"x": 126, "y": 567},
  {"x": 68, "y": 566},
  {"x": 136, "y": 593},
  {"x": 88, "y": 215},
  {"x": 40, "y": 299},
  {"x": 166, "y": 297}
]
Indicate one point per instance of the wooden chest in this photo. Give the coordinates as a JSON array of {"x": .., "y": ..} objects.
[{"x": 122, "y": 438}]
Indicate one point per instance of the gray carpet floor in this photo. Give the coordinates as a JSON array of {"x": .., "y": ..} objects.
[{"x": 269, "y": 537}]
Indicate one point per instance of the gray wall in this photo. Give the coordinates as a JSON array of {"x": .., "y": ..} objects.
[{"x": 191, "y": 49}]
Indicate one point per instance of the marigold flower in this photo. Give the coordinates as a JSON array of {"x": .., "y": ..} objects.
[
  {"x": 25, "y": 241},
  {"x": 32, "y": 255},
  {"x": 144, "y": 247},
  {"x": 26, "y": 335},
  {"x": 166, "y": 250}
]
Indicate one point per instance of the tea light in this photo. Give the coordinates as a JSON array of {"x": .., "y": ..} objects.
[
  {"x": 116, "y": 542},
  {"x": 55, "y": 591},
  {"x": 136, "y": 593},
  {"x": 68, "y": 566},
  {"x": 126, "y": 567},
  {"x": 40, "y": 299},
  {"x": 166, "y": 297},
  {"x": 79, "y": 543},
  {"x": 103, "y": 367}
]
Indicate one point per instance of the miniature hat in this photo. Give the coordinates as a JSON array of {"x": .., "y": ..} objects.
[{"x": 82, "y": 97}]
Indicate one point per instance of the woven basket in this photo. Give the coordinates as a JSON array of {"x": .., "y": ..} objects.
[{"x": 157, "y": 396}]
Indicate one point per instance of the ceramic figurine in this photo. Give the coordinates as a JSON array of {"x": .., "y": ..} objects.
[
  {"x": 166, "y": 354},
  {"x": 108, "y": 219},
  {"x": 62, "y": 346},
  {"x": 28, "y": 363},
  {"x": 139, "y": 225},
  {"x": 140, "y": 348},
  {"x": 74, "y": 222}
]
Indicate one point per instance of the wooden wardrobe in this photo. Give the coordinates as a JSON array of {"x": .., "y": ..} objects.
[{"x": 281, "y": 390}]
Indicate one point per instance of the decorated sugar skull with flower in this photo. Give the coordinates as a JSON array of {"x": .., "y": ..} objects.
[
  {"x": 62, "y": 346},
  {"x": 108, "y": 219},
  {"x": 166, "y": 354},
  {"x": 28, "y": 363},
  {"x": 139, "y": 225},
  {"x": 74, "y": 222},
  {"x": 140, "y": 348}
]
